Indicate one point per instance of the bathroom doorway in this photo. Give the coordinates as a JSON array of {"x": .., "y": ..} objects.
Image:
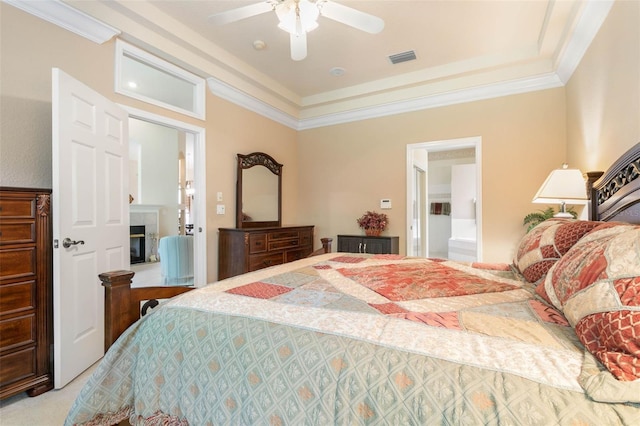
[{"x": 444, "y": 199}]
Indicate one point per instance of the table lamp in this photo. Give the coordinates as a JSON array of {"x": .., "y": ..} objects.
[{"x": 562, "y": 186}]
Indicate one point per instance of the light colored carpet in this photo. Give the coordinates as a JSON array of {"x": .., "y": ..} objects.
[{"x": 48, "y": 409}]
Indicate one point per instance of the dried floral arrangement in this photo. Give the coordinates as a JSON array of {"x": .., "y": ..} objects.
[{"x": 373, "y": 222}]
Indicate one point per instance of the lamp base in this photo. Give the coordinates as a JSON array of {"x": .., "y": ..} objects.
[
  {"x": 563, "y": 211},
  {"x": 563, "y": 215}
]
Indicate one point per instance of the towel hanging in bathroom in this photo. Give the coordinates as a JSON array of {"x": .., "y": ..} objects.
[{"x": 440, "y": 209}]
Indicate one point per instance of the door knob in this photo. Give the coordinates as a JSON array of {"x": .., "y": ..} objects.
[{"x": 68, "y": 242}]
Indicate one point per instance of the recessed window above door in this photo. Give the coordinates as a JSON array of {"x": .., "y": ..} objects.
[{"x": 146, "y": 77}]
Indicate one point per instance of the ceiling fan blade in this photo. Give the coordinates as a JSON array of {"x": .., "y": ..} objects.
[
  {"x": 239, "y": 13},
  {"x": 352, "y": 17},
  {"x": 298, "y": 46}
]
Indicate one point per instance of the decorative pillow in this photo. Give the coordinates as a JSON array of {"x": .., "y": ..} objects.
[
  {"x": 545, "y": 244},
  {"x": 596, "y": 285}
]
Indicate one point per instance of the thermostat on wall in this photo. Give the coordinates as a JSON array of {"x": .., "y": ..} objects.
[{"x": 385, "y": 203}]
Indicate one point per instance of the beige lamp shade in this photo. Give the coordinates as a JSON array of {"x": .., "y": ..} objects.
[{"x": 562, "y": 186}]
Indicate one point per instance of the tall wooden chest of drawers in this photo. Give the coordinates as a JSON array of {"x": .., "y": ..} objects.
[
  {"x": 25, "y": 292},
  {"x": 246, "y": 250}
]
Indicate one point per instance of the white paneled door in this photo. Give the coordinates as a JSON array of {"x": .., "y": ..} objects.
[{"x": 90, "y": 218}]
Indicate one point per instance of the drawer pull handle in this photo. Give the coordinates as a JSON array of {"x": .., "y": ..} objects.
[{"x": 68, "y": 242}]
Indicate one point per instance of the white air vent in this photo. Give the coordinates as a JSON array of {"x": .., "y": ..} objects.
[{"x": 409, "y": 55}]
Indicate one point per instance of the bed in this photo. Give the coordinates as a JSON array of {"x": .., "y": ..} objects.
[{"x": 342, "y": 338}]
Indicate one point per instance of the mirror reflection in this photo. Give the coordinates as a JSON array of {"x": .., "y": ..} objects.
[
  {"x": 258, "y": 191},
  {"x": 259, "y": 195}
]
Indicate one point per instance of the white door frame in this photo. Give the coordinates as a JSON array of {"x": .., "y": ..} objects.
[
  {"x": 200, "y": 187},
  {"x": 437, "y": 146},
  {"x": 419, "y": 180}
]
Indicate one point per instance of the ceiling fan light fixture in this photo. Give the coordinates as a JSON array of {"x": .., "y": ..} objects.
[{"x": 297, "y": 16}]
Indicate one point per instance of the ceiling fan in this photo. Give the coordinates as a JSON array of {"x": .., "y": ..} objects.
[{"x": 298, "y": 17}]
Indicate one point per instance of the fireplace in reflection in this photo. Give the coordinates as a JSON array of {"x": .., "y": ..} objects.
[{"x": 136, "y": 244}]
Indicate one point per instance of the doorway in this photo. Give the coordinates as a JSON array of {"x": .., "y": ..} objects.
[
  {"x": 444, "y": 212},
  {"x": 168, "y": 191},
  {"x": 418, "y": 230}
]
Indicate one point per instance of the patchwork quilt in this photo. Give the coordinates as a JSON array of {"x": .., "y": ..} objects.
[{"x": 354, "y": 339}]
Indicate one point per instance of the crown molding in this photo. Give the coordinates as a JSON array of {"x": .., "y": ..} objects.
[
  {"x": 589, "y": 23},
  {"x": 235, "y": 96},
  {"x": 67, "y": 17},
  {"x": 593, "y": 15},
  {"x": 471, "y": 94},
  {"x": 523, "y": 85}
]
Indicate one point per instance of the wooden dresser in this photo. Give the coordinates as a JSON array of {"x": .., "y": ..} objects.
[
  {"x": 26, "y": 323},
  {"x": 246, "y": 250}
]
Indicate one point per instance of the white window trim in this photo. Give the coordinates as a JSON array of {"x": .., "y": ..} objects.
[{"x": 123, "y": 48}]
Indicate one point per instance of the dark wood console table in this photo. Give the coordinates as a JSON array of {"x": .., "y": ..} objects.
[{"x": 366, "y": 244}]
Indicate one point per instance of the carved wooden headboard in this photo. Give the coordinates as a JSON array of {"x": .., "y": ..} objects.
[{"x": 616, "y": 195}]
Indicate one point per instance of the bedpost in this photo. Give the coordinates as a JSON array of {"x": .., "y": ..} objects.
[
  {"x": 122, "y": 304},
  {"x": 592, "y": 177},
  {"x": 326, "y": 247},
  {"x": 118, "y": 313},
  {"x": 326, "y": 244}
]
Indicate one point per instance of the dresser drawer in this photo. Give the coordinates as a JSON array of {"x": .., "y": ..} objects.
[
  {"x": 257, "y": 243},
  {"x": 16, "y": 332},
  {"x": 17, "y": 297},
  {"x": 13, "y": 233},
  {"x": 17, "y": 365},
  {"x": 265, "y": 260},
  {"x": 292, "y": 255},
  {"x": 17, "y": 262},
  {"x": 283, "y": 235},
  {"x": 306, "y": 238},
  {"x": 17, "y": 208},
  {"x": 283, "y": 244}
]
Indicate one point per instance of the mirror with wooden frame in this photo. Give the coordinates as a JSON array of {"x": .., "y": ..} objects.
[{"x": 258, "y": 191}]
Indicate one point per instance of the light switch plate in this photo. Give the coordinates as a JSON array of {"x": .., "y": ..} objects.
[
  {"x": 385, "y": 203},
  {"x": 219, "y": 196},
  {"x": 220, "y": 209}
]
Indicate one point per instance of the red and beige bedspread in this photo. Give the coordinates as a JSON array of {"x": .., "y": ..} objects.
[{"x": 351, "y": 339}]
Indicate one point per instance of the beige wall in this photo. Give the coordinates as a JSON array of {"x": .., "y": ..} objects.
[
  {"x": 31, "y": 47},
  {"x": 333, "y": 174},
  {"x": 233, "y": 130},
  {"x": 589, "y": 124},
  {"x": 346, "y": 169},
  {"x": 603, "y": 95}
]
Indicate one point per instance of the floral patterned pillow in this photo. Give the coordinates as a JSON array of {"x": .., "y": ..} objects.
[
  {"x": 596, "y": 285},
  {"x": 545, "y": 244}
]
